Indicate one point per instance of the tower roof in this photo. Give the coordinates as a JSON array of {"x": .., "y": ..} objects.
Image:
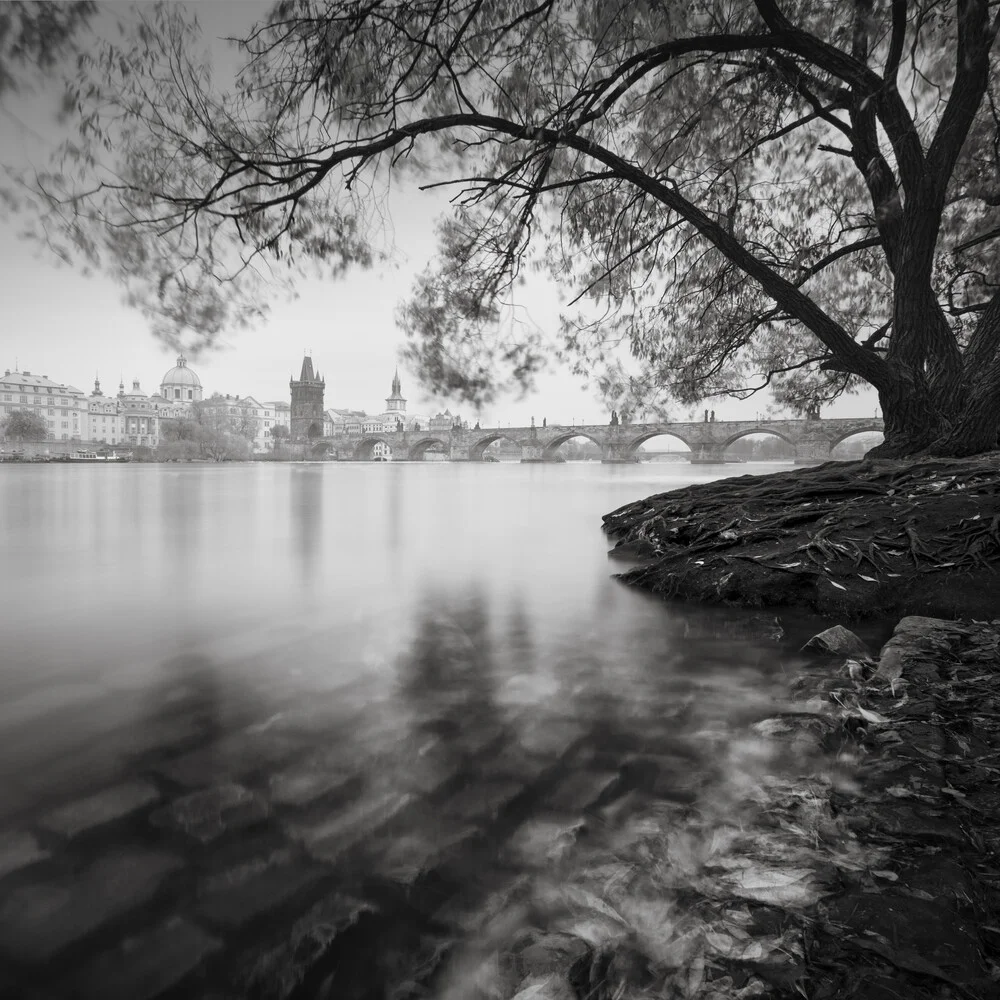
[
  {"x": 180, "y": 374},
  {"x": 307, "y": 374}
]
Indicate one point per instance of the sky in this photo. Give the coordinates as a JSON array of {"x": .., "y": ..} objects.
[{"x": 72, "y": 327}]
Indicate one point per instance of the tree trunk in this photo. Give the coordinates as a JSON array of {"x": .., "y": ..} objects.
[
  {"x": 977, "y": 428},
  {"x": 912, "y": 420}
]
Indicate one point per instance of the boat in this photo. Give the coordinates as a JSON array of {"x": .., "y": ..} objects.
[{"x": 81, "y": 455}]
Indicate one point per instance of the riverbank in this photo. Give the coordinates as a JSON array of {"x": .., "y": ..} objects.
[
  {"x": 862, "y": 863},
  {"x": 844, "y": 539}
]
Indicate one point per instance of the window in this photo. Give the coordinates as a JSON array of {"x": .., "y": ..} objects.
[
  {"x": 65, "y": 423},
  {"x": 35, "y": 387},
  {"x": 7, "y": 396},
  {"x": 177, "y": 394},
  {"x": 23, "y": 399},
  {"x": 52, "y": 412},
  {"x": 190, "y": 394}
]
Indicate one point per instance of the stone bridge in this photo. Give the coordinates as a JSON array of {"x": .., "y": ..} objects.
[{"x": 708, "y": 440}]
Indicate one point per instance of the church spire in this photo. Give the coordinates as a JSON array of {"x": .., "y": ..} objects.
[{"x": 397, "y": 389}]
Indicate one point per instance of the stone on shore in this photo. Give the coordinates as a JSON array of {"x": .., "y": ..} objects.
[{"x": 839, "y": 641}]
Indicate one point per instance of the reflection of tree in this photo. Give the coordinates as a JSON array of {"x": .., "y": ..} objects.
[
  {"x": 183, "y": 512},
  {"x": 307, "y": 517},
  {"x": 395, "y": 509},
  {"x": 448, "y": 678}
]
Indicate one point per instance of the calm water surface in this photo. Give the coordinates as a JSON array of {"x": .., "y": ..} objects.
[
  {"x": 369, "y": 597},
  {"x": 232, "y": 694}
]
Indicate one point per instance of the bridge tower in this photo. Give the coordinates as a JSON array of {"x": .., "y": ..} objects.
[
  {"x": 395, "y": 405},
  {"x": 307, "y": 403}
]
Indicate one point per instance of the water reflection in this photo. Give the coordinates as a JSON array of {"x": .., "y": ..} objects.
[
  {"x": 306, "y": 510},
  {"x": 403, "y": 734}
]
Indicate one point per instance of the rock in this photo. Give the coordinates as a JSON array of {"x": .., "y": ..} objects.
[
  {"x": 211, "y": 812},
  {"x": 327, "y": 838},
  {"x": 18, "y": 850},
  {"x": 103, "y": 807},
  {"x": 254, "y": 892},
  {"x": 300, "y": 787},
  {"x": 40, "y": 919},
  {"x": 147, "y": 965},
  {"x": 839, "y": 641}
]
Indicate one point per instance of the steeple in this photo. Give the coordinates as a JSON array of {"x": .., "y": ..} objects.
[
  {"x": 395, "y": 405},
  {"x": 97, "y": 385}
]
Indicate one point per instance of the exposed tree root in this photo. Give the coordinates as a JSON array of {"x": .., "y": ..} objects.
[{"x": 857, "y": 538}]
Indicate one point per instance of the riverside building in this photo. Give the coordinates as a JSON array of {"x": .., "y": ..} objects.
[{"x": 63, "y": 407}]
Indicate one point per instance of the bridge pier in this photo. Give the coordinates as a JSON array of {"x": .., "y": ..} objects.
[
  {"x": 707, "y": 454},
  {"x": 618, "y": 454},
  {"x": 812, "y": 450}
]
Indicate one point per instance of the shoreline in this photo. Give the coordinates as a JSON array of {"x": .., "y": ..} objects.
[{"x": 847, "y": 540}]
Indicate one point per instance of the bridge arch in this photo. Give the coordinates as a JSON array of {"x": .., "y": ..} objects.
[
  {"x": 838, "y": 438},
  {"x": 476, "y": 450},
  {"x": 635, "y": 443},
  {"x": 764, "y": 430},
  {"x": 363, "y": 449},
  {"x": 418, "y": 448},
  {"x": 552, "y": 446},
  {"x": 852, "y": 447}
]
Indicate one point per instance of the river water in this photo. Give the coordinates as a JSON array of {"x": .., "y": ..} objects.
[{"x": 168, "y": 629}]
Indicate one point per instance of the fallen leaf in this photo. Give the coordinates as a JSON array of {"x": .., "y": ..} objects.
[
  {"x": 839, "y": 586},
  {"x": 779, "y": 886},
  {"x": 873, "y": 717},
  {"x": 553, "y": 987},
  {"x": 884, "y": 873}
]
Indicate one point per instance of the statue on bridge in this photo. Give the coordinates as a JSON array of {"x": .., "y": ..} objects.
[
  {"x": 614, "y": 418},
  {"x": 812, "y": 411}
]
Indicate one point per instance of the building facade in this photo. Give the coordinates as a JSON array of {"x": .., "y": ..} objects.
[
  {"x": 103, "y": 425},
  {"x": 63, "y": 407},
  {"x": 138, "y": 417},
  {"x": 306, "y": 416}
]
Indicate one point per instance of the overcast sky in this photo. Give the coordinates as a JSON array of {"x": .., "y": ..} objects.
[{"x": 60, "y": 323}]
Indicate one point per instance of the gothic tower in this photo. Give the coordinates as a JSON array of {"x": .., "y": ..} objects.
[
  {"x": 395, "y": 405},
  {"x": 307, "y": 403}
]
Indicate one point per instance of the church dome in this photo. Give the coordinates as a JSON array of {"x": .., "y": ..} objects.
[{"x": 180, "y": 374}]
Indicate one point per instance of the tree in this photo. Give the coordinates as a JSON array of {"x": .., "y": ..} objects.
[
  {"x": 34, "y": 36},
  {"x": 279, "y": 434},
  {"x": 24, "y": 425},
  {"x": 744, "y": 193},
  {"x": 205, "y": 433}
]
